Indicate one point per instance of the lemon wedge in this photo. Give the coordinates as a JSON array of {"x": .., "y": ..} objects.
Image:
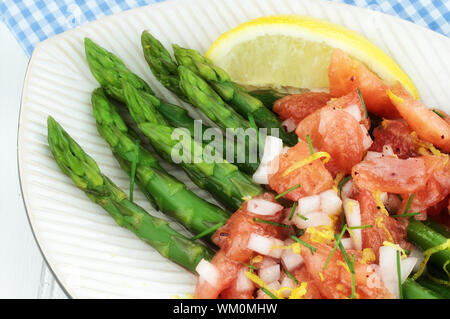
[{"x": 295, "y": 51}]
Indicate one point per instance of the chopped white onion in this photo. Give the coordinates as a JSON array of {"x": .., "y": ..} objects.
[
  {"x": 353, "y": 218},
  {"x": 273, "y": 146},
  {"x": 330, "y": 202},
  {"x": 388, "y": 269},
  {"x": 371, "y": 155},
  {"x": 417, "y": 253},
  {"x": 314, "y": 219},
  {"x": 208, "y": 272},
  {"x": 367, "y": 140},
  {"x": 260, "y": 244},
  {"x": 270, "y": 274},
  {"x": 348, "y": 243},
  {"x": 289, "y": 259},
  {"x": 308, "y": 204},
  {"x": 407, "y": 266},
  {"x": 287, "y": 282},
  {"x": 276, "y": 249},
  {"x": 263, "y": 207},
  {"x": 289, "y": 125},
  {"x": 354, "y": 111},
  {"x": 347, "y": 189},
  {"x": 267, "y": 262},
  {"x": 243, "y": 283}
]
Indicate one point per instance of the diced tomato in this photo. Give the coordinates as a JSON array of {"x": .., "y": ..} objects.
[
  {"x": 348, "y": 100},
  {"x": 299, "y": 106},
  {"x": 346, "y": 75},
  {"x": 394, "y": 175},
  {"x": 397, "y": 135},
  {"x": 233, "y": 237},
  {"x": 439, "y": 208},
  {"x": 428, "y": 125},
  {"x": 312, "y": 291},
  {"x": 334, "y": 282},
  {"x": 233, "y": 292},
  {"x": 336, "y": 132},
  {"x": 384, "y": 228},
  {"x": 314, "y": 178},
  {"x": 434, "y": 191},
  {"x": 228, "y": 271}
]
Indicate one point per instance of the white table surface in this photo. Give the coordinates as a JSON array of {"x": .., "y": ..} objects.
[{"x": 23, "y": 271}]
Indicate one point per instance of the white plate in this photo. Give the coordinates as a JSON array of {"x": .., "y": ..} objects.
[{"x": 93, "y": 257}]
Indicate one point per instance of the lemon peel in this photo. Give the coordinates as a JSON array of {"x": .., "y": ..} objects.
[
  {"x": 299, "y": 49},
  {"x": 306, "y": 161}
]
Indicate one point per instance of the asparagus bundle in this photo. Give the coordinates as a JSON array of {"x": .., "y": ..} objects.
[
  {"x": 109, "y": 70},
  {"x": 235, "y": 95},
  {"x": 170, "y": 195},
  {"x": 86, "y": 175},
  {"x": 222, "y": 179}
]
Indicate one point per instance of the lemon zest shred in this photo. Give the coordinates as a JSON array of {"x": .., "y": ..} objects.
[
  {"x": 427, "y": 253},
  {"x": 306, "y": 161},
  {"x": 299, "y": 292},
  {"x": 323, "y": 235},
  {"x": 296, "y": 248},
  {"x": 335, "y": 189},
  {"x": 350, "y": 204},
  {"x": 396, "y": 246},
  {"x": 321, "y": 276},
  {"x": 343, "y": 264},
  {"x": 295, "y": 293},
  {"x": 379, "y": 223},
  {"x": 352, "y": 235},
  {"x": 368, "y": 256},
  {"x": 377, "y": 196}
]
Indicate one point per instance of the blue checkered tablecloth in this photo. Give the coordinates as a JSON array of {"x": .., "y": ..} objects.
[{"x": 32, "y": 21}]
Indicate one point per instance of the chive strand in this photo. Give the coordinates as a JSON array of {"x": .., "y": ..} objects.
[
  {"x": 366, "y": 115},
  {"x": 293, "y": 210},
  {"x": 259, "y": 220},
  {"x": 338, "y": 240},
  {"x": 399, "y": 275},
  {"x": 308, "y": 138},
  {"x": 267, "y": 292},
  {"x": 408, "y": 204},
  {"x": 360, "y": 227},
  {"x": 439, "y": 113},
  {"x": 208, "y": 231},
  {"x": 287, "y": 191},
  {"x": 304, "y": 243},
  {"x": 290, "y": 276}
]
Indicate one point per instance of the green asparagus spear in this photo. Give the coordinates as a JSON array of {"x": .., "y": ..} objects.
[
  {"x": 170, "y": 195},
  {"x": 438, "y": 227},
  {"x": 109, "y": 71},
  {"x": 86, "y": 175},
  {"x": 267, "y": 97},
  {"x": 427, "y": 238},
  {"x": 442, "y": 290},
  {"x": 233, "y": 94},
  {"x": 161, "y": 63},
  {"x": 412, "y": 290},
  {"x": 208, "y": 170}
]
